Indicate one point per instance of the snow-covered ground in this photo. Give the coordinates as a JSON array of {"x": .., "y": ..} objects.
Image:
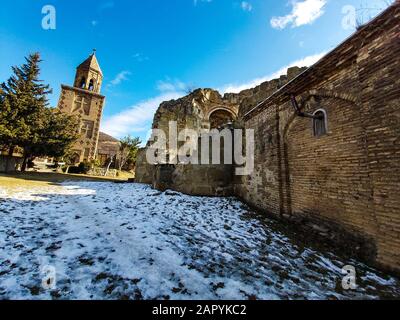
[{"x": 127, "y": 241}]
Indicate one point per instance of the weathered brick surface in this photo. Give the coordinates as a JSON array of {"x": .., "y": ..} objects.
[
  {"x": 349, "y": 177},
  {"x": 379, "y": 76}
]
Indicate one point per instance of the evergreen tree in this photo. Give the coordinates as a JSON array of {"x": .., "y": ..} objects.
[
  {"x": 10, "y": 127},
  {"x": 25, "y": 119},
  {"x": 26, "y": 98}
]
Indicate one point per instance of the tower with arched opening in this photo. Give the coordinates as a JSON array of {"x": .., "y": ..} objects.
[{"x": 84, "y": 100}]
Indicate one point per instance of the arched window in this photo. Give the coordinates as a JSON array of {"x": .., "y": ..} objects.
[
  {"x": 91, "y": 85},
  {"x": 83, "y": 83},
  {"x": 76, "y": 157},
  {"x": 320, "y": 123}
]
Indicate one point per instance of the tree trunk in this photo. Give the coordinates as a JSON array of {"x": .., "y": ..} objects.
[
  {"x": 9, "y": 158},
  {"x": 24, "y": 164},
  {"x": 108, "y": 168},
  {"x": 124, "y": 161}
]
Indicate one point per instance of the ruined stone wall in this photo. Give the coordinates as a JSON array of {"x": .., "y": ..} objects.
[
  {"x": 262, "y": 188},
  {"x": 144, "y": 172},
  {"x": 190, "y": 112},
  {"x": 252, "y": 97},
  {"x": 193, "y": 111},
  {"x": 197, "y": 180}
]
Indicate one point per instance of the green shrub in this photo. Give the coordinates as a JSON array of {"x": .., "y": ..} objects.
[{"x": 82, "y": 168}]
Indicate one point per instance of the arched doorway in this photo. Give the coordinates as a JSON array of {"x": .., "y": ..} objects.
[{"x": 220, "y": 118}]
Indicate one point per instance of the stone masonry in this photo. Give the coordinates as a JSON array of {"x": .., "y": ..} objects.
[{"x": 84, "y": 100}]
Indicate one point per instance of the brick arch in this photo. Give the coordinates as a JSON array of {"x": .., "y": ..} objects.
[
  {"x": 220, "y": 117},
  {"x": 232, "y": 111},
  {"x": 325, "y": 93},
  {"x": 304, "y": 106},
  {"x": 322, "y": 93}
]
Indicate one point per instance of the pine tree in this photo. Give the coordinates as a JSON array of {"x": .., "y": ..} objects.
[
  {"x": 26, "y": 97},
  {"x": 25, "y": 119},
  {"x": 10, "y": 129}
]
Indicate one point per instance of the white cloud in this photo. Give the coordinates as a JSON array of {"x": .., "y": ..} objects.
[
  {"x": 136, "y": 118},
  {"x": 303, "y": 12},
  {"x": 122, "y": 76},
  {"x": 171, "y": 85},
  {"x": 140, "y": 57},
  {"x": 246, "y": 6},
  {"x": 305, "y": 62}
]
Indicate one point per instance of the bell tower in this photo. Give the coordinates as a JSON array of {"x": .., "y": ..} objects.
[
  {"x": 88, "y": 74},
  {"x": 84, "y": 100}
]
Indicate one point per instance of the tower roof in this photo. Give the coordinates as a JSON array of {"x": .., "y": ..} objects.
[{"x": 91, "y": 63}]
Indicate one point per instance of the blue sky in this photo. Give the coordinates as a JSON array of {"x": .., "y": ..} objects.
[{"x": 154, "y": 50}]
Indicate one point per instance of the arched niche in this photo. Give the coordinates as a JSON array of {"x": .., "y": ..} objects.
[{"x": 220, "y": 117}]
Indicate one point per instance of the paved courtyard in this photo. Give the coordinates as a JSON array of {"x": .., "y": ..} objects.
[{"x": 104, "y": 240}]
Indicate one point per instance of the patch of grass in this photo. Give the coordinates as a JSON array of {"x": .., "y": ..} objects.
[
  {"x": 30, "y": 180},
  {"x": 125, "y": 175},
  {"x": 11, "y": 182},
  {"x": 45, "y": 177}
]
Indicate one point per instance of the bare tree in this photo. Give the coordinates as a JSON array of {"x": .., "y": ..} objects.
[
  {"x": 190, "y": 88},
  {"x": 127, "y": 151},
  {"x": 365, "y": 12},
  {"x": 110, "y": 161}
]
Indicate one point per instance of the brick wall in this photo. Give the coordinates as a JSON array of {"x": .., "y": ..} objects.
[
  {"x": 379, "y": 77},
  {"x": 348, "y": 179}
]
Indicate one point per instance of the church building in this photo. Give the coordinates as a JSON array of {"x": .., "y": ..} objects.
[{"x": 84, "y": 100}]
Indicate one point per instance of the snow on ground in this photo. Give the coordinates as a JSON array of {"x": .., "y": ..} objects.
[{"x": 127, "y": 241}]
